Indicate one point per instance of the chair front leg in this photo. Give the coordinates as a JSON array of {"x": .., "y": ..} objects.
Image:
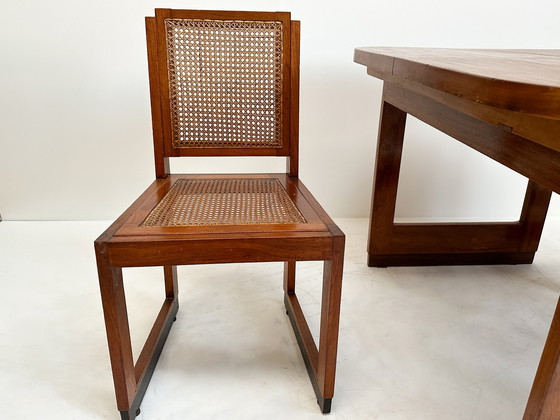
[
  {"x": 131, "y": 381},
  {"x": 330, "y": 315},
  {"x": 320, "y": 363},
  {"x": 116, "y": 325}
]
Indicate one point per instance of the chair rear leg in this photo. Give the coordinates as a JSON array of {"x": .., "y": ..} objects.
[
  {"x": 171, "y": 287},
  {"x": 289, "y": 277}
]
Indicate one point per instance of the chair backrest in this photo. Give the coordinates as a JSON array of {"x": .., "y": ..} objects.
[{"x": 223, "y": 84}]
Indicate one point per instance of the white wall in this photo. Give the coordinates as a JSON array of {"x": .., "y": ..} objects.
[{"x": 75, "y": 132}]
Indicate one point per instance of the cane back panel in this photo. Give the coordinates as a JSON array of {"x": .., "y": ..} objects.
[{"x": 224, "y": 82}]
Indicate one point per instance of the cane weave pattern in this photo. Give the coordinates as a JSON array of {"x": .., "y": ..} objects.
[
  {"x": 225, "y": 80},
  {"x": 224, "y": 201}
]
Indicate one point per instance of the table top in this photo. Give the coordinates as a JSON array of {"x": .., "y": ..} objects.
[{"x": 524, "y": 81}]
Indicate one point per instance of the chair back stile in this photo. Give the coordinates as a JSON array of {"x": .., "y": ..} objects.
[{"x": 227, "y": 85}]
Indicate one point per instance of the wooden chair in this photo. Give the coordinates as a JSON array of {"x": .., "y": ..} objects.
[{"x": 221, "y": 84}]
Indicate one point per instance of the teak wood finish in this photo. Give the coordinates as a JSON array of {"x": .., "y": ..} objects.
[
  {"x": 506, "y": 105},
  {"x": 128, "y": 244}
]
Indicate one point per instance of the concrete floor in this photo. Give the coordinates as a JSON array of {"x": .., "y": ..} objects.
[{"x": 415, "y": 343}]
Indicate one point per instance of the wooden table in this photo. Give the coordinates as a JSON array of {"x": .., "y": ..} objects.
[{"x": 506, "y": 105}]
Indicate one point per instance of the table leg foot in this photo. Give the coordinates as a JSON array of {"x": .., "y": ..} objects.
[{"x": 482, "y": 258}]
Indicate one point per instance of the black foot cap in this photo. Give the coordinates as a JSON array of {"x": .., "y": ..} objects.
[
  {"x": 127, "y": 415},
  {"x": 325, "y": 404}
]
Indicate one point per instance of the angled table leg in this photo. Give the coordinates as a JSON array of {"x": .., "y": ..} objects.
[
  {"x": 544, "y": 399},
  {"x": 399, "y": 244},
  {"x": 533, "y": 215},
  {"x": 386, "y": 179}
]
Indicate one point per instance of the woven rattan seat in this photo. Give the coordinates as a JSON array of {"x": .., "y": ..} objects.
[
  {"x": 221, "y": 84},
  {"x": 224, "y": 201}
]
